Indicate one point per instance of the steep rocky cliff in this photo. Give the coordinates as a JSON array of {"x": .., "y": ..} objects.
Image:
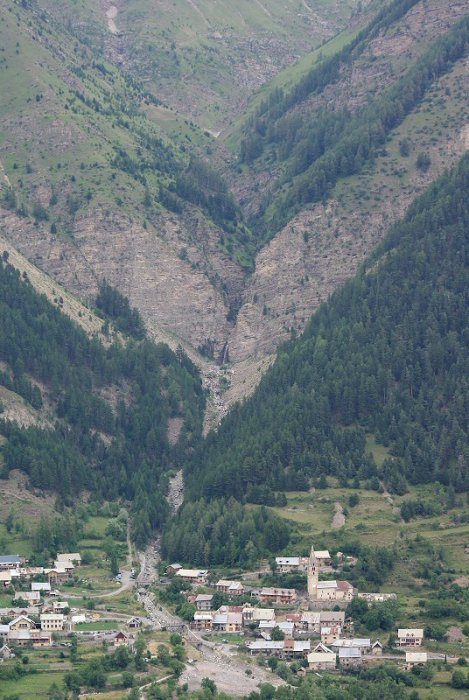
[
  {"x": 325, "y": 244},
  {"x": 77, "y": 204}
]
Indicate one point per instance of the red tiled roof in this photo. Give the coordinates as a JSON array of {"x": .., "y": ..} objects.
[{"x": 344, "y": 585}]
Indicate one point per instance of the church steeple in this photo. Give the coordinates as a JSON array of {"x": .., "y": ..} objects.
[{"x": 313, "y": 575}]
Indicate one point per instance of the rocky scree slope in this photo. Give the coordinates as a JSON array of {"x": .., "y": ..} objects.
[
  {"x": 84, "y": 171},
  {"x": 325, "y": 243}
]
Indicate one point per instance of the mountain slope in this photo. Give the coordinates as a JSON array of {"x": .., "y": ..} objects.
[
  {"x": 388, "y": 354},
  {"x": 201, "y": 58},
  {"x": 325, "y": 242},
  {"x": 101, "y": 181},
  {"x": 89, "y": 183},
  {"x": 112, "y": 420}
]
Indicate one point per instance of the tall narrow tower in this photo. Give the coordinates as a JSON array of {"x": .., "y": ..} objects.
[{"x": 313, "y": 576}]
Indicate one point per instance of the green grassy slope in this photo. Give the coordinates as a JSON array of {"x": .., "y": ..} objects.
[
  {"x": 77, "y": 132},
  {"x": 203, "y": 57}
]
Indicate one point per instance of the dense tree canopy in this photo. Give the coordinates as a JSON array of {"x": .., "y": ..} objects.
[
  {"x": 223, "y": 532},
  {"x": 112, "y": 405},
  {"x": 117, "y": 307}
]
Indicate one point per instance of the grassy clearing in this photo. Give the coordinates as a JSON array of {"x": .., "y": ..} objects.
[
  {"x": 96, "y": 626},
  {"x": 441, "y": 688},
  {"x": 379, "y": 452},
  {"x": 123, "y": 603},
  {"x": 32, "y": 686},
  {"x": 373, "y": 518}
]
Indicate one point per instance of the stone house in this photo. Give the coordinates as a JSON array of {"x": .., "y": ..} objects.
[
  {"x": 120, "y": 639},
  {"x": 310, "y": 621},
  {"x": 363, "y": 645},
  {"x": 204, "y": 601},
  {"x": 6, "y": 653},
  {"x": 340, "y": 591},
  {"x": 173, "y": 569},
  {"x": 202, "y": 621},
  {"x": 134, "y": 623},
  {"x": 330, "y": 634},
  {"x": 22, "y": 623},
  {"x": 10, "y": 561},
  {"x": 234, "y": 588},
  {"x": 279, "y": 596},
  {"x": 288, "y": 565},
  {"x": 251, "y": 614},
  {"x": 229, "y": 622},
  {"x": 33, "y": 597},
  {"x": 42, "y": 587},
  {"x": 415, "y": 658},
  {"x": 350, "y": 656},
  {"x": 58, "y": 575},
  {"x": 73, "y": 558},
  {"x": 52, "y": 622},
  {"x": 287, "y": 648},
  {"x": 193, "y": 575},
  {"x": 322, "y": 658},
  {"x": 409, "y": 637}
]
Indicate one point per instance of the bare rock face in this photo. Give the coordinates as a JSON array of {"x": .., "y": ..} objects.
[
  {"x": 382, "y": 63},
  {"x": 171, "y": 291},
  {"x": 172, "y": 267},
  {"x": 326, "y": 244}
]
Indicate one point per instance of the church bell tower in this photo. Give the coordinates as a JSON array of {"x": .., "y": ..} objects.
[{"x": 313, "y": 575}]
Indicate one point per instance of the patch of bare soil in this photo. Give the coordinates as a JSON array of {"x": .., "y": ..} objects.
[
  {"x": 17, "y": 409},
  {"x": 174, "y": 429},
  {"x": 229, "y": 676},
  {"x": 338, "y": 520},
  {"x": 176, "y": 491},
  {"x": 16, "y": 495},
  {"x": 462, "y": 581},
  {"x": 111, "y": 15}
]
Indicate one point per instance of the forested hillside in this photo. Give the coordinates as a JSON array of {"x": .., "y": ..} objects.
[
  {"x": 387, "y": 355},
  {"x": 317, "y": 147},
  {"x": 223, "y": 531},
  {"x": 105, "y": 409},
  {"x": 93, "y": 187}
]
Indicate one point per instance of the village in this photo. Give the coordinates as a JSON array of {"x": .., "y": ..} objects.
[
  {"x": 310, "y": 627},
  {"x": 39, "y": 617}
]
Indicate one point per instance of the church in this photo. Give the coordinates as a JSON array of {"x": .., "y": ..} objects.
[{"x": 336, "y": 591}]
